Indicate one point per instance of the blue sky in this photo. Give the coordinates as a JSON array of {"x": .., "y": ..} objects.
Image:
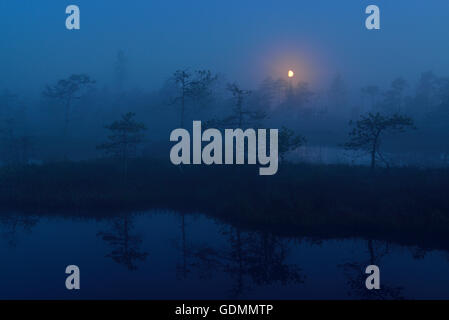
[{"x": 246, "y": 40}]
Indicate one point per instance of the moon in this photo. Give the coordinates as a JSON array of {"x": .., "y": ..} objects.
[{"x": 291, "y": 73}]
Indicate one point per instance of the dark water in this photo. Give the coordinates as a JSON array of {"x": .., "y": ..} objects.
[{"x": 161, "y": 255}]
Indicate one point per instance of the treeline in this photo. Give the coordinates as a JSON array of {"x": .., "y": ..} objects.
[{"x": 67, "y": 121}]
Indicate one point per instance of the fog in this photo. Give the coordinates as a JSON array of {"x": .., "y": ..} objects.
[
  {"x": 132, "y": 50},
  {"x": 354, "y": 171}
]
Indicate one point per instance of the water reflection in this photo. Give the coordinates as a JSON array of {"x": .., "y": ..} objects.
[
  {"x": 250, "y": 259},
  {"x": 13, "y": 224},
  {"x": 209, "y": 259},
  {"x": 183, "y": 268},
  {"x": 126, "y": 247},
  {"x": 356, "y": 276}
]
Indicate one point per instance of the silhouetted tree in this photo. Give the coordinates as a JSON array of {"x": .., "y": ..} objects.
[
  {"x": 443, "y": 94},
  {"x": 426, "y": 91},
  {"x": 239, "y": 95},
  {"x": 241, "y": 116},
  {"x": 182, "y": 79},
  {"x": 201, "y": 85},
  {"x": 126, "y": 135},
  {"x": 193, "y": 86},
  {"x": 280, "y": 87},
  {"x": 370, "y": 93},
  {"x": 126, "y": 247},
  {"x": 338, "y": 92},
  {"x": 302, "y": 94},
  {"x": 393, "y": 98},
  {"x": 267, "y": 91},
  {"x": 289, "y": 141},
  {"x": 68, "y": 90},
  {"x": 299, "y": 97},
  {"x": 368, "y": 131}
]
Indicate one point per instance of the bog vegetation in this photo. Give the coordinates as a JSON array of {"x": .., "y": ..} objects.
[{"x": 82, "y": 149}]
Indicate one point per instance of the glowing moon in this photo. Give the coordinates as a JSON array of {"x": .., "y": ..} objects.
[{"x": 290, "y": 73}]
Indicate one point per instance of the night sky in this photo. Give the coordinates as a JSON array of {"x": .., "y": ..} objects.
[{"x": 245, "y": 40}]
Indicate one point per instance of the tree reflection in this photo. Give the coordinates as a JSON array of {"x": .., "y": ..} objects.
[
  {"x": 126, "y": 246},
  {"x": 252, "y": 258},
  {"x": 182, "y": 268},
  {"x": 356, "y": 276},
  {"x": 13, "y": 224},
  {"x": 419, "y": 253}
]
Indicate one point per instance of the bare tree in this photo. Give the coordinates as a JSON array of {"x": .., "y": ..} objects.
[
  {"x": 393, "y": 98},
  {"x": 193, "y": 86},
  {"x": 68, "y": 90},
  {"x": 240, "y": 116},
  {"x": 370, "y": 93},
  {"x": 239, "y": 96},
  {"x": 368, "y": 131}
]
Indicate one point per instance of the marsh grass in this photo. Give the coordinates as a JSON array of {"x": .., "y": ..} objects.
[{"x": 327, "y": 200}]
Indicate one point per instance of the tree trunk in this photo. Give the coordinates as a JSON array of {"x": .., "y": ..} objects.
[
  {"x": 182, "y": 113},
  {"x": 125, "y": 160},
  {"x": 373, "y": 151},
  {"x": 239, "y": 107},
  {"x": 66, "y": 128},
  {"x": 182, "y": 103},
  {"x": 371, "y": 252},
  {"x": 184, "y": 247},
  {"x": 125, "y": 170}
]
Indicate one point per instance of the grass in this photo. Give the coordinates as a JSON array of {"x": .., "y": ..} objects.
[{"x": 330, "y": 200}]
